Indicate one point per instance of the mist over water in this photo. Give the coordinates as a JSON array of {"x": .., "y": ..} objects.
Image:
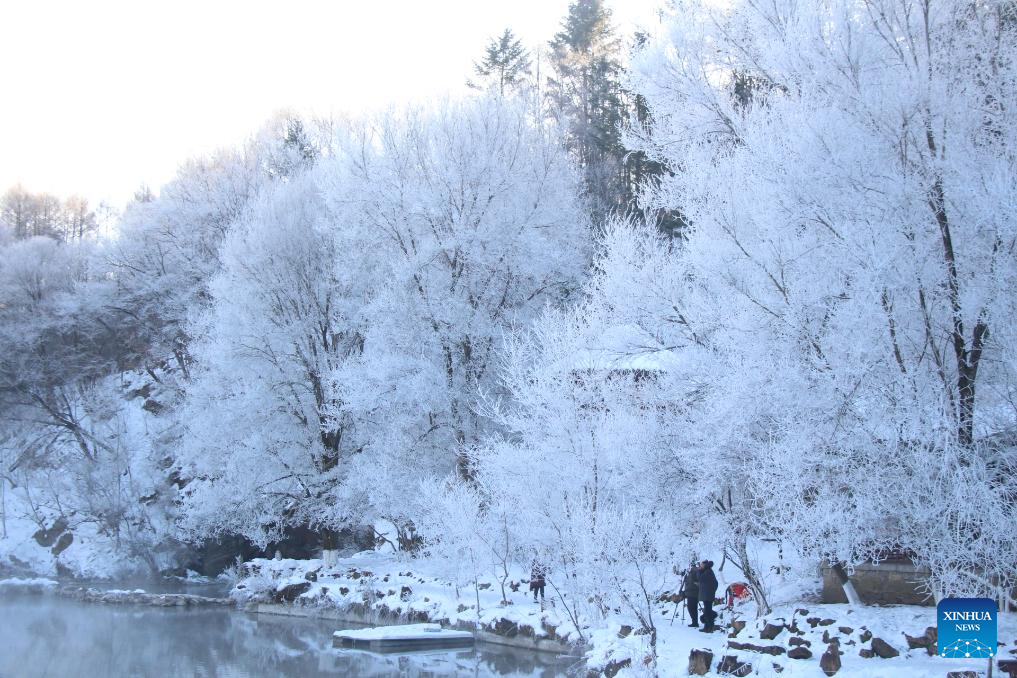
[{"x": 48, "y": 635}]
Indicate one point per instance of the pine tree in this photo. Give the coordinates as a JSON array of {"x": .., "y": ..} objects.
[
  {"x": 586, "y": 90},
  {"x": 505, "y": 62}
]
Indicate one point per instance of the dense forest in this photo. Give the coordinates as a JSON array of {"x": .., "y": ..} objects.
[{"x": 753, "y": 276}]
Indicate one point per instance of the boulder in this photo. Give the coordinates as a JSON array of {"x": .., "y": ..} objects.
[
  {"x": 613, "y": 667},
  {"x": 926, "y": 641},
  {"x": 47, "y": 537},
  {"x": 799, "y": 641},
  {"x": 506, "y": 628},
  {"x": 846, "y": 630},
  {"x": 830, "y": 661},
  {"x": 288, "y": 594},
  {"x": 699, "y": 662},
  {"x": 736, "y": 627},
  {"x": 825, "y": 622},
  {"x": 813, "y": 621},
  {"x": 65, "y": 540},
  {"x": 799, "y": 653},
  {"x": 771, "y": 631},
  {"x": 866, "y": 635},
  {"x": 730, "y": 665},
  {"x": 625, "y": 631},
  {"x": 865, "y": 653},
  {"x": 883, "y": 649}
]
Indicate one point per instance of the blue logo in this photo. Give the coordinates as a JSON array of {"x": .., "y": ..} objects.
[{"x": 966, "y": 628}]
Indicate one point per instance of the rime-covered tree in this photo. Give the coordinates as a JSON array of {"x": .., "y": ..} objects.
[{"x": 842, "y": 172}]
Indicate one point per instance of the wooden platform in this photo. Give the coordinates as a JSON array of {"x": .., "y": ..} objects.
[{"x": 406, "y": 638}]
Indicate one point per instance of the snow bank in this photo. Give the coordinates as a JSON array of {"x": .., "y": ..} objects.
[
  {"x": 403, "y": 632},
  {"x": 388, "y": 588}
]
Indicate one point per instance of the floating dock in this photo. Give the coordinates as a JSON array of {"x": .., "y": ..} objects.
[{"x": 405, "y": 638}]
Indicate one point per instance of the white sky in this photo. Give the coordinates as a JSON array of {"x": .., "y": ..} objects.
[{"x": 101, "y": 96}]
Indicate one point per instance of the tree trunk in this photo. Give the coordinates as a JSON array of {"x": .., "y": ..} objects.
[{"x": 849, "y": 588}]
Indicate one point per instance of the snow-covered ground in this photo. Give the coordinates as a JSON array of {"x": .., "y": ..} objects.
[
  {"x": 415, "y": 589},
  {"x": 388, "y": 583}
]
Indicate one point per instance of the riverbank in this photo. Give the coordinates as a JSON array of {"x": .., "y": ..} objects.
[
  {"x": 801, "y": 637},
  {"x": 374, "y": 588}
]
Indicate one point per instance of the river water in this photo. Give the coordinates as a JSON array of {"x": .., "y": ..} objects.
[{"x": 51, "y": 635}]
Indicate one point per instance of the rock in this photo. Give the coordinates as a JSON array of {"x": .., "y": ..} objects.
[
  {"x": 916, "y": 642},
  {"x": 799, "y": 653},
  {"x": 732, "y": 666},
  {"x": 550, "y": 631},
  {"x": 288, "y": 594},
  {"x": 405, "y": 593},
  {"x": 813, "y": 621},
  {"x": 802, "y": 611},
  {"x": 343, "y": 590},
  {"x": 830, "y": 661},
  {"x": 866, "y": 636},
  {"x": 883, "y": 649},
  {"x": 736, "y": 627},
  {"x": 311, "y": 576},
  {"x": 846, "y": 630},
  {"x": 625, "y": 631},
  {"x": 153, "y": 406},
  {"x": 484, "y": 586},
  {"x": 826, "y": 636},
  {"x": 506, "y": 628},
  {"x": 865, "y": 653},
  {"x": 65, "y": 540},
  {"x": 699, "y": 662},
  {"x": 799, "y": 641},
  {"x": 48, "y": 537},
  {"x": 777, "y": 668},
  {"x": 771, "y": 631},
  {"x": 613, "y": 667},
  {"x": 962, "y": 674},
  {"x": 826, "y": 622},
  {"x": 749, "y": 647}
]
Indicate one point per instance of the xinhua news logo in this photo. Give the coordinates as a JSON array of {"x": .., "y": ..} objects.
[{"x": 966, "y": 628}]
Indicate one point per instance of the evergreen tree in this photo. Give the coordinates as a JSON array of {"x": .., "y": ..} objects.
[
  {"x": 505, "y": 62},
  {"x": 585, "y": 89}
]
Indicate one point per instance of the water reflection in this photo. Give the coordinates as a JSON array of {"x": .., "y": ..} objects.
[{"x": 46, "y": 635}]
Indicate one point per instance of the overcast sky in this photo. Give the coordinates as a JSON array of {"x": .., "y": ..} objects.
[{"x": 101, "y": 96}]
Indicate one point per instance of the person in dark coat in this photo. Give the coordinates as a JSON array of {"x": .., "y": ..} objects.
[
  {"x": 538, "y": 572},
  {"x": 690, "y": 591},
  {"x": 707, "y": 592}
]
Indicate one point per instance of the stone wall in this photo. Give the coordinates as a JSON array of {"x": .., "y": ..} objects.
[{"x": 885, "y": 583}]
